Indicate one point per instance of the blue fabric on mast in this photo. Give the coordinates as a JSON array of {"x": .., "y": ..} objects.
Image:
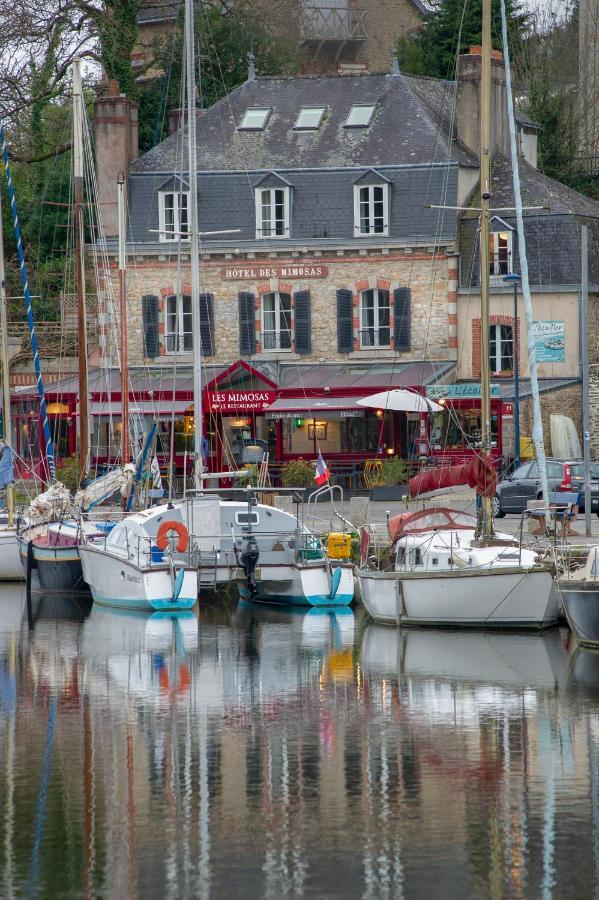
[
  {"x": 141, "y": 462},
  {"x": 28, "y": 308},
  {"x": 6, "y": 467}
]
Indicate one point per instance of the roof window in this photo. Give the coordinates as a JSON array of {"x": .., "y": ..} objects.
[
  {"x": 360, "y": 116},
  {"x": 255, "y": 118},
  {"x": 309, "y": 117}
]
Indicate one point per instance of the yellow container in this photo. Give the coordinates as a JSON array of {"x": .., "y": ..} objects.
[
  {"x": 527, "y": 448},
  {"x": 339, "y": 545}
]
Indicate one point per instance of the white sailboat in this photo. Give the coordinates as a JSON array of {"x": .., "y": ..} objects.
[
  {"x": 273, "y": 556},
  {"x": 449, "y": 573}
]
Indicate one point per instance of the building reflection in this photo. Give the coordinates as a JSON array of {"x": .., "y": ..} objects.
[{"x": 246, "y": 751}]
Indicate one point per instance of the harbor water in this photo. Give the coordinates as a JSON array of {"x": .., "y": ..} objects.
[{"x": 245, "y": 751}]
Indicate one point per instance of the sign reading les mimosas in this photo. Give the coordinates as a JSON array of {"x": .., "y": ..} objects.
[
  {"x": 240, "y": 401},
  {"x": 251, "y": 272}
]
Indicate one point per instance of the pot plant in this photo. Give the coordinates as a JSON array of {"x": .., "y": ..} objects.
[
  {"x": 299, "y": 473},
  {"x": 393, "y": 480}
]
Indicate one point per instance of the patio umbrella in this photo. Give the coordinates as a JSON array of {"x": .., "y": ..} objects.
[{"x": 400, "y": 400}]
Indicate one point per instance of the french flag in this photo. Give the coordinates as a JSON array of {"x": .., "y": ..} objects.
[{"x": 322, "y": 473}]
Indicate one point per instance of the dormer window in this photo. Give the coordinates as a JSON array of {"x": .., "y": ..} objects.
[
  {"x": 360, "y": 116},
  {"x": 255, "y": 118},
  {"x": 309, "y": 118},
  {"x": 500, "y": 252},
  {"x": 272, "y": 212},
  {"x": 173, "y": 214},
  {"x": 371, "y": 209}
]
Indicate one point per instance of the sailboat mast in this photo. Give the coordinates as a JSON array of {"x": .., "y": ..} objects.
[
  {"x": 80, "y": 269},
  {"x": 125, "y": 452},
  {"x": 485, "y": 191},
  {"x": 10, "y": 506},
  {"x": 194, "y": 243}
]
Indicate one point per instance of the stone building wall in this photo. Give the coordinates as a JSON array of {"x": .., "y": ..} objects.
[
  {"x": 387, "y": 21},
  {"x": 567, "y": 402},
  {"x": 426, "y": 274}
]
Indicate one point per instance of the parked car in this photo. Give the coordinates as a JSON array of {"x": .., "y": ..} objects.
[{"x": 524, "y": 484}]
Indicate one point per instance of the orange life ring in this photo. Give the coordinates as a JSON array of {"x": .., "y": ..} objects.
[{"x": 162, "y": 536}]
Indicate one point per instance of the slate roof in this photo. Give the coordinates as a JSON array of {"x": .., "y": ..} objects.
[
  {"x": 538, "y": 190},
  {"x": 404, "y": 129}
]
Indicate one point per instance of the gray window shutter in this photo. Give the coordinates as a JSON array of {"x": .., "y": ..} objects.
[
  {"x": 401, "y": 318},
  {"x": 247, "y": 324},
  {"x": 345, "y": 322},
  {"x": 149, "y": 314},
  {"x": 207, "y": 324},
  {"x": 303, "y": 322}
]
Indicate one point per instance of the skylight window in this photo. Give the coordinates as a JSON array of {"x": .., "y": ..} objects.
[
  {"x": 360, "y": 116},
  {"x": 310, "y": 117},
  {"x": 255, "y": 118}
]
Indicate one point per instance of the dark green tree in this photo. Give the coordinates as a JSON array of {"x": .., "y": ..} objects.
[
  {"x": 450, "y": 28},
  {"x": 224, "y": 43}
]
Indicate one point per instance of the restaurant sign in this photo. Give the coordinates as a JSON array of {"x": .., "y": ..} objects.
[
  {"x": 316, "y": 415},
  {"x": 251, "y": 272},
  {"x": 239, "y": 401},
  {"x": 470, "y": 391}
]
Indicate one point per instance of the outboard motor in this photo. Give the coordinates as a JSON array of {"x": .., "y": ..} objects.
[{"x": 249, "y": 561}]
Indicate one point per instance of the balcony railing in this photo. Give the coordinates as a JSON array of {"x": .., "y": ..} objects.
[
  {"x": 333, "y": 23},
  {"x": 277, "y": 340}
]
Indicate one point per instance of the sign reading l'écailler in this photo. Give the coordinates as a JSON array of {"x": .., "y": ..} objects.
[{"x": 251, "y": 272}]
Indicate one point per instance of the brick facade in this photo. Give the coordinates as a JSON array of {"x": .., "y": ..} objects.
[{"x": 476, "y": 345}]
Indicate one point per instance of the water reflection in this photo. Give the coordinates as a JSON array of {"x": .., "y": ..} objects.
[{"x": 243, "y": 751}]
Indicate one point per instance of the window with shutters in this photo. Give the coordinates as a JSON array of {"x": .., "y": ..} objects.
[
  {"x": 173, "y": 213},
  {"x": 501, "y": 348},
  {"x": 272, "y": 212},
  {"x": 375, "y": 319},
  {"x": 276, "y": 321},
  {"x": 371, "y": 203},
  {"x": 178, "y": 324}
]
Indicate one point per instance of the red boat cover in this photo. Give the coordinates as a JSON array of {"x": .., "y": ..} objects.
[
  {"x": 428, "y": 520},
  {"x": 478, "y": 473}
]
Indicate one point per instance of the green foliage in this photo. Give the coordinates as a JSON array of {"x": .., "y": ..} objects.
[
  {"x": 116, "y": 25},
  {"x": 69, "y": 472},
  {"x": 451, "y": 27},
  {"x": 223, "y": 48},
  {"x": 298, "y": 473},
  {"x": 394, "y": 471}
]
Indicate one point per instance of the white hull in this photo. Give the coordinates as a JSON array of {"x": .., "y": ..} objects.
[
  {"x": 114, "y": 581},
  {"x": 507, "y": 597},
  {"x": 302, "y": 586},
  {"x": 10, "y": 560}
]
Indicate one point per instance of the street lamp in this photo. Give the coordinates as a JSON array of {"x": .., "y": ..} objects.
[{"x": 515, "y": 279}]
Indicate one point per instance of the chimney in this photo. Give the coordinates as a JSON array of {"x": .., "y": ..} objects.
[
  {"x": 115, "y": 127},
  {"x": 468, "y": 102},
  {"x": 177, "y": 119}
]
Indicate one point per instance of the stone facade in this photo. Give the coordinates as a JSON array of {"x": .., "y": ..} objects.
[
  {"x": 424, "y": 273},
  {"x": 565, "y": 401}
]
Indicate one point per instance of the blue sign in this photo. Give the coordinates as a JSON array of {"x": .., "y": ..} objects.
[
  {"x": 550, "y": 341},
  {"x": 467, "y": 391}
]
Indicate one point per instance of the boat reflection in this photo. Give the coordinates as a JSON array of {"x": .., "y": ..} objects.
[{"x": 501, "y": 658}]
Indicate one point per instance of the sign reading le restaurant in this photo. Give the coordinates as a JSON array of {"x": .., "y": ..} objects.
[
  {"x": 240, "y": 401},
  {"x": 252, "y": 272}
]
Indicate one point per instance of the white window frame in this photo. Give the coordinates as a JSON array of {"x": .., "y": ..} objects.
[
  {"x": 356, "y": 106},
  {"x": 305, "y": 109},
  {"x": 241, "y": 518},
  {"x": 495, "y": 361},
  {"x": 260, "y": 235},
  {"x": 377, "y": 326},
  {"x": 244, "y": 126},
  {"x": 370, "y": 188},
  {"x": 495, "y": 262},
  {"x": 180, "y": 332},
  {"x": 278, "y": 320},
  {"x": 176, "y": 233}
]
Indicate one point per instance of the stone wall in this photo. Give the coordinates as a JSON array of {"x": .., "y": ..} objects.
[
  {"x": 425, "y": 273},
  {"x": 387, "y": 21},
  {"x": 567, "y": 402}
]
